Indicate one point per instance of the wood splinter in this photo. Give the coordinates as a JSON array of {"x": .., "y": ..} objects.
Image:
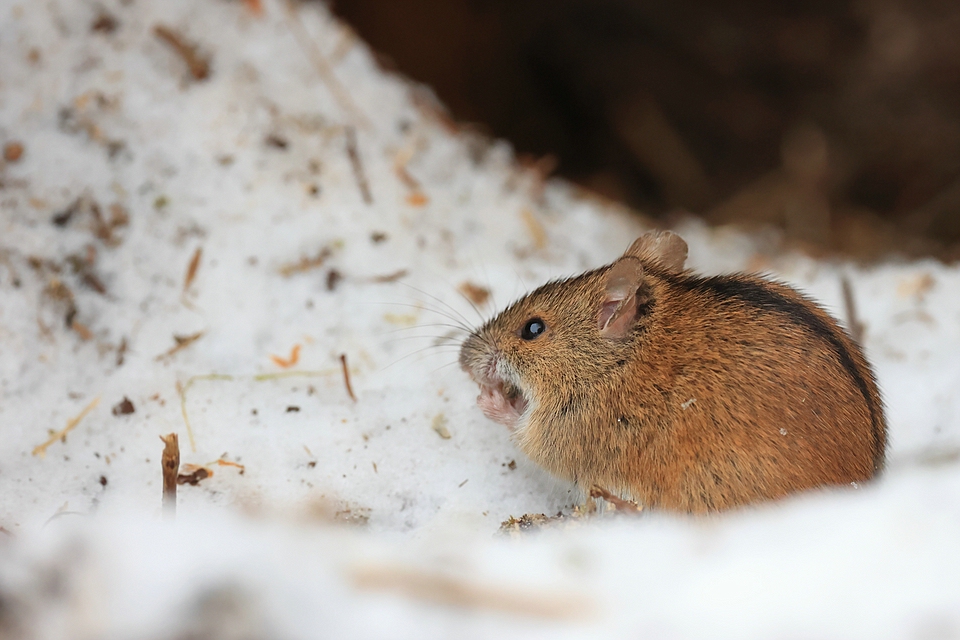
[
  {"x": 626, "y": 506},
  {"x": 41, "y": 450},
  {"x": 346, "y": 376},
  {"x": 192, "y": 269},
  {"x": 170, "y": 463},
  {"x": 197, "y": 63},
  {"x": 358, "y": 172}
]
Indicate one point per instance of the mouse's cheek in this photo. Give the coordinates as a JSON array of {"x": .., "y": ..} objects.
[{"x": 497, "y": 407}]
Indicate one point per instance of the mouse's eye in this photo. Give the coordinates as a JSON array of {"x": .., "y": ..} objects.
[{"x": 533, "y": 329}]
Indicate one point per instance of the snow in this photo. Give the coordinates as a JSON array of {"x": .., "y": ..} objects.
[{"x": 357, "y": 519}]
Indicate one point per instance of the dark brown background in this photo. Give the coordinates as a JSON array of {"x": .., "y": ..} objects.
[{"x": 837, "y": 121}]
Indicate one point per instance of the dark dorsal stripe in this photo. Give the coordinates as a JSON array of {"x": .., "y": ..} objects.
[{"x": 761, "y": 297}]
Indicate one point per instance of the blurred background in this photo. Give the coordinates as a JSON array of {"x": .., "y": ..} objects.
[{"x": 836, "y": 121}]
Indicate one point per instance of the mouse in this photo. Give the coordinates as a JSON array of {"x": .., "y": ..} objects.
[{"x": 682, "y": 392}]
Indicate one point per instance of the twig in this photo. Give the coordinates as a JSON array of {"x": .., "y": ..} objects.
[
  {"x": 327, "y": 75},
  {"x": 192, "y": 268},
  {"x": 306, "y": 264},
  {"x": 390, "y": 277},
  {"x": 182, "y": 392},
  {"x": 182, "y": 343},
  {"x": 82, "y": 330},
  {"x": 358, "y": 173},
  {"x": 41, "y": 450},
  {"x": 535, "y": 227},
  {"x": 170, "y": 463},
  {"x": 198, "y": 64},
  {"x": 346, "y": 376},
  {"x": 626, "y": 506},
  {"x": 856, "y": 327}
]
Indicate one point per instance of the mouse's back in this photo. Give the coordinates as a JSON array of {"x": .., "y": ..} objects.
[{"x": 763, "y": 394}]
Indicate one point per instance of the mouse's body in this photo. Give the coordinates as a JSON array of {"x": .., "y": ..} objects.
[{"x": 682, "y": 392}]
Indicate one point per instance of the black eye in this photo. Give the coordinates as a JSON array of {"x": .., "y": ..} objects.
[{"x": 533, "y": 328}]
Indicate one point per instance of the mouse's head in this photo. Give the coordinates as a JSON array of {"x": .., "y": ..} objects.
[{"x": 563, "y": 339}]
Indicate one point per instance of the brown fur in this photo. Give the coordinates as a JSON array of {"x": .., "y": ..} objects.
[{"x": 705, "y": 394}]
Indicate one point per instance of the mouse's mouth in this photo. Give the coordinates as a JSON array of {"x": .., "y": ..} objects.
[
  {"x": 501, "y": 399},
  {"x": 502, "y": 402}
]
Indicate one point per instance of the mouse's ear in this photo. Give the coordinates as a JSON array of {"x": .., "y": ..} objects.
[
  {"x": 665, "y": 247},
  {"x": 621, "y": 292}
]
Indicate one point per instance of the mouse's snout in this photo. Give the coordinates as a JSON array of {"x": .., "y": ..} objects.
[{"x": 478, "y": 357}]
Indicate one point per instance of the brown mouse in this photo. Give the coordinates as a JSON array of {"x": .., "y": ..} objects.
[{"x": 682, "y": 392}]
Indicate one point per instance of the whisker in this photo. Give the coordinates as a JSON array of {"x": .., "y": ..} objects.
[
  {"x": 460, "y": 322},
  {"x": 432, "y": 349},
  {"x": 436, "y": 299},
  {"x": 442, "y": 367},
  {"x": 425, "y": 326}
]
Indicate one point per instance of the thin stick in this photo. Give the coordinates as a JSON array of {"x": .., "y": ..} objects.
[
  {"x": 182, "y": 343},
  {"x": 305, "y": 264},
  {"x": 192, "y": 268},
  {"x": 627, "y": 506},
  {"x": 357, "y": 165},
  {"x": 182, "y": 390},
  {"x": 327, "y": 75},
  {"x": 346, "y": 376},
  {"x": 390, "y": 277},
  {"x": 41, "y": 450},
  {"x": 856, "y": 327},
  {"x": 170, "y": 463},
  {"x": 197, "y": 63}
]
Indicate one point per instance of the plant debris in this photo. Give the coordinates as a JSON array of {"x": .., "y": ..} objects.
[
  {"x": 170, "y": 464},
  {"x": 13, "y": 151},
  {"x": 82, "y": 266},
  {"x": 535, "y": 227},
  {"x": 276, "y": 141},
  {"x": 390, "y": 277},
  {"x": 439, "y": 425},
  {"x": 855, "y": 326},
  {"x": 104, "y": 228},
  {"x": 104, "y": 23},
  {"x": 417, "y": 199},
  {"x": 286, "y": 363},
  {"x": 123, "y": 408},
  {"x": 197, "y": 63},
  {"x": 327, "y": 76},
  {"x": 346, "y": 376},
  {"x": 357, "y": 165},
  {"x": 121, "y": 351},
  {"x": 227, "y": 463},
  {"x": 193, "y": 474},
  {"x": 334, "y": 277},
  {"x": 182, "y": 342},
  {"x": 41, "y": 450},
  {"x": 192, "y": 268},
  {"x": 306, "y": 264},
  {"x": 61, "y": 219},
  {"x": 625, "y": 506},
  {"x": 532, "y": 522},
  {"x": 474, "y": 292}
]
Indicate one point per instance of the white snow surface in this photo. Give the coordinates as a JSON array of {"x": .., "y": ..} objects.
[{"x": 112, "y": 118}]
